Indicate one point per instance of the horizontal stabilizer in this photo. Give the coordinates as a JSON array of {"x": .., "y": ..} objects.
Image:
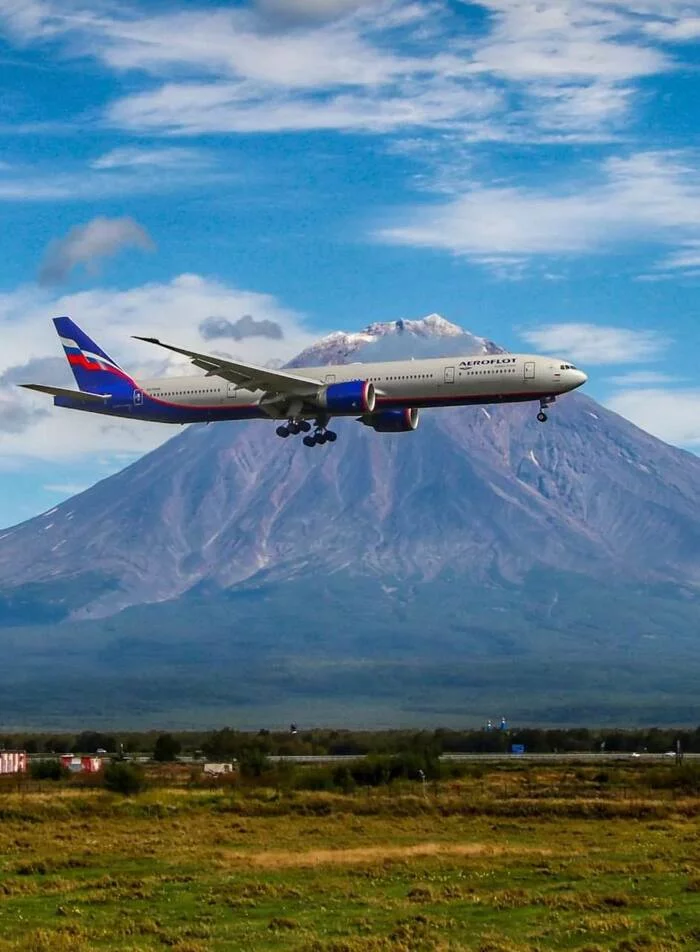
[{"x": 78, "y": 395}]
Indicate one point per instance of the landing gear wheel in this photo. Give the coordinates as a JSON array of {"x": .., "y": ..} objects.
[
  {"x": 309, "y": 441},
  {"x": 304, "y": 426},
  {"x": 321, "y": 438},
  {"x": 293, "y": 428},
  {"x": 542, "y": 416},
  {"x": 331, "y": 436},
  {"x": 282, "y": 431}
]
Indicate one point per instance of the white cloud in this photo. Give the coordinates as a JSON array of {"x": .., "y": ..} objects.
[
  {"x": 686, "y": 257},
  {"x": 642, "y": 378},
  {"x": 119, "y": 172},
  {"x": 130, "y": 157},
  {"x": 194, "y": 109},
  {"x": 596, "y": 344},
  {"x": 565, "y": 67},
  {"x": 171, "y": 311},
  {"x": 564, "y": 38},
  {"x": 90, "y": 243},
  {"x": 234, "y": 43},
  {"x": 681, "y": 30},
  {"x": 672, "y": 415},
  {"x": 647, "y": 197},
  {"x": 309, "y": 9},
  {"x": 65, "y": 489}
]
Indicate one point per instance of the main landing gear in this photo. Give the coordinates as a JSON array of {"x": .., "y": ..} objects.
[
  {"x": 319, "y": 436},
  {"x": 544, "y": 403},
  {"x": 292, "y": 428}
]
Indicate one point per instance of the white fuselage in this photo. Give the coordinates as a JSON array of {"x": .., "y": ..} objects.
[{"x": 441, "y": 381}]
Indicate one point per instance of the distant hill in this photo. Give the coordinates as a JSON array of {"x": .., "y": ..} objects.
[{"x": 408, "y": 577}]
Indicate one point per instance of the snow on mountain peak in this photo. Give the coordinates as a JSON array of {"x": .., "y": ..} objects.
[{"x": 340, "y": 346}]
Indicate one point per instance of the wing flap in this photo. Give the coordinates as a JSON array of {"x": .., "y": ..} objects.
[{"x": 246, "y": 375}]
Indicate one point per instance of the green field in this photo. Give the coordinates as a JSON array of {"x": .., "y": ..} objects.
[{"x": 503, "y": 859}]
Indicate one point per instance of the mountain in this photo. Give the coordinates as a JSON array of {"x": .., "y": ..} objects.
[
  {"x": 429, "y": 572},
  {"x": 428, "y": 337}
]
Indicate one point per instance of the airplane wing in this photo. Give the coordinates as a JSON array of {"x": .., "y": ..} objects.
[
  {"x": 79, "y": 395},
  {"x": 248, "y": 376}
]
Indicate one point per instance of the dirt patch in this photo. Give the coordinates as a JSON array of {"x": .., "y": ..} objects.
[{"x": 283, "y": 859}]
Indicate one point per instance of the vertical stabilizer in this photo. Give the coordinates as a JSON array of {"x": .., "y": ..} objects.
[{"x": 93, "y": 369}]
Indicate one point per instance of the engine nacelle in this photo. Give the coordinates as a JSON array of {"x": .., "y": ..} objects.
[
  {"x": 393, "y": 421},
  {"x": 351, "y": 396}
]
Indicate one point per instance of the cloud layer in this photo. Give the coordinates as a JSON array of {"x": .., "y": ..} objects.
[
  {"x": 642, "y": 197},
  {"x": 597, "y": 344},
  {"x": 174, "y": 311},
  {"x": 567, "y": 68},
  {"x": 214, "y": 328},
  {"x": 89, "y": 244},
  {"x": 672, "y": 415}
]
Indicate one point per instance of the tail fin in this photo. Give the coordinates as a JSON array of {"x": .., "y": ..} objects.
[{"x": 93, "y": 369}]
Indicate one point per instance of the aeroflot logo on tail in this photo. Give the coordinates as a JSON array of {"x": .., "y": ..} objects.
[{"x": 490, "y": 360}]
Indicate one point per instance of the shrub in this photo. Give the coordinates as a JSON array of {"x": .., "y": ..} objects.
[
  {"x": 683, "y": 777},
  {"x": 253, "y": 761},
  {"x": 47, "y": 770},
  {"x": 127, "y": 779},
  {"x": 167, "y": 748}
]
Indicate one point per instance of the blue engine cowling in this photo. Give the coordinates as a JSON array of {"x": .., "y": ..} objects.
[
  {"x": 393, "y": 421},
  {"x": 351, "y": 396}
]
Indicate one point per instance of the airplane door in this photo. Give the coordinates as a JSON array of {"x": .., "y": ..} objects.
[
  {"x": 330, "y": 378},
  {"x": 449, "y": 375},
  {"x": 529, "y": 370},
  {"x": 138, "y": 398},
  {"x": 231, "y": 391}
]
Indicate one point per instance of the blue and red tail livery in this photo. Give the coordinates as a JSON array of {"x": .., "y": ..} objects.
[{"x": 93, "y": 369}]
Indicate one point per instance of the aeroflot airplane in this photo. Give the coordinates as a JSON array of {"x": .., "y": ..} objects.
[{"x": 385, "y": 396}]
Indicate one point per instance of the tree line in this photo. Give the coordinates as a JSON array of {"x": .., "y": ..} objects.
[{"x": 228, "y": 743}]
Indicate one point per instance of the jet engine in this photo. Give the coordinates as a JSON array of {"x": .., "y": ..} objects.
[
  {"x": 392, "y": 421},
  {"x": 351, "y": 396}
]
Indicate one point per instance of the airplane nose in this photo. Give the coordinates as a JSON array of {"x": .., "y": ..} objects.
[{"x": 581, "y": 377}]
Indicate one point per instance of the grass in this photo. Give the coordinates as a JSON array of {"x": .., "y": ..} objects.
[{"x": 532, "y": 859}]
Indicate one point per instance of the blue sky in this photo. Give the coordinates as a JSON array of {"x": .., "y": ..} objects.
[{"x": 528, "y": 170}]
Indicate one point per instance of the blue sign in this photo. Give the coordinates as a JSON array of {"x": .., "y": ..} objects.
[{"x": 517, "y": 748}]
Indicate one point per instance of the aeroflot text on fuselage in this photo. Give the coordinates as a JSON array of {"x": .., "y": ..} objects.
[
  {"x": 386, "y": 396},
  {"x": 487, "y": 360}
]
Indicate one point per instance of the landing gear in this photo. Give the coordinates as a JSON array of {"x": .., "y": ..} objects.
[
  {"x": 544, "y": 403},
  {"x": 319, "y": 436},
  {"x": 292, "y": 428}
]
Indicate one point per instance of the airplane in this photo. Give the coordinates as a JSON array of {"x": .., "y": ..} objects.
[{"x": 385, "y": 396}]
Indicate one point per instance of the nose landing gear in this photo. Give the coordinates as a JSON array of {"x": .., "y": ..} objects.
[{"x": 544, "y": 403}]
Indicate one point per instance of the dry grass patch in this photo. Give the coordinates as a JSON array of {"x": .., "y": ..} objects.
[{"x": 285, "y": 859}]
